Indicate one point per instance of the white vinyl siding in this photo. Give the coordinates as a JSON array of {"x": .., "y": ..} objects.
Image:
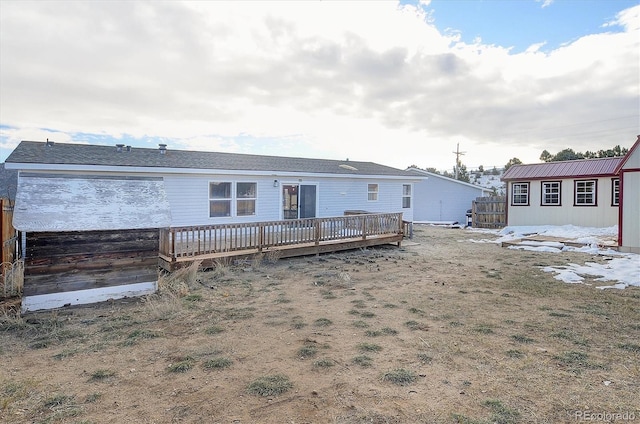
[
  {"x": 187, "y": 195},
  {"x": 441, "y": 199}
]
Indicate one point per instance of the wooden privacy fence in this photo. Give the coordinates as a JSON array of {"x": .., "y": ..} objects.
[
  {"x": 489, "y": 212},
  {"x": 289, "y": 237},
  {"x": 11, "y": 269}
]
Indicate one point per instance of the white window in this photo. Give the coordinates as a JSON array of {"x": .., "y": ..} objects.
[
  {"x": 246, "y": 199},
  {"x": 406, "y": 195},
  {"x": 551, "y": 193},
  {"x": 520, "y": 194},
  {"x": 219, "y": 199},
  {"x": 585, "y": 193},
  {"x": 222, "y": 197},
  {"x": 615, "y": 192},
  {"x": 372, "y": 192}
]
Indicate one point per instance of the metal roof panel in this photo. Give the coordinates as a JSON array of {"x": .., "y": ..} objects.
[{"x": 581, "y": 168}]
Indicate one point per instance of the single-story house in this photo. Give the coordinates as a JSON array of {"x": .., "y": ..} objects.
[
  {"x": 89, "y": 215},
  {"x": 582, "y": 192},
  {"x": 629, "y": 202},
  {"x": 439, "y": 199}
]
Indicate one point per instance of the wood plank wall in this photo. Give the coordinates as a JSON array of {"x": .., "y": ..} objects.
[
  {"x": 67, "y": 261},
  {"x": 489, "y": 212}
]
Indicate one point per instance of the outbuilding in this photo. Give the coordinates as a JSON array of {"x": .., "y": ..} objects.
[
  {"x": 581, "y": 192},
  {"x": 629, "y": 203},
  {"x": 439, "y": 199}
]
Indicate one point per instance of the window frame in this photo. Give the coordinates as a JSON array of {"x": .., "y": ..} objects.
[
  {"x": 593, "y": 192},
  {"x": 406, "y": 196},
  {"x": 221, "y": 200},
  {"x": 372, "y": 195},
  {"x": 544, "y": 193},
  {"x": 615, "y": 191},
  {"x": 234, "y": 199},
  {"x": 250, "y": 199},
  {"x": 526, "y": 184}
]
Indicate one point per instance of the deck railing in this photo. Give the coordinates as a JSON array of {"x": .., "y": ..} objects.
[{"x": 181, "y": 242}]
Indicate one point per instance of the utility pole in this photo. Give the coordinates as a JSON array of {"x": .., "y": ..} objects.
[{"x": 458, "y": 153}]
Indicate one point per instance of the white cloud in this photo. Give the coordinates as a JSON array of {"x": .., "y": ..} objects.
[
  {"x": 367, "y": 80},
  {"x": 545, "y": 3}
]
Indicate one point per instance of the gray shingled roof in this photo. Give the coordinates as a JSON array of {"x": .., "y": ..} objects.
[
  {"x": 8, "y": 182},
  {"x": 581, "y": 168},
  {"x": 32, "y": 152}
]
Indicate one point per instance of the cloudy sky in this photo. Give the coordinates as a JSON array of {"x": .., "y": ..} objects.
[{"x": 395, "y": 83}]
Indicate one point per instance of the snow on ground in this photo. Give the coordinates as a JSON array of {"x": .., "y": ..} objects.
[{"x": 621, "y": 269}]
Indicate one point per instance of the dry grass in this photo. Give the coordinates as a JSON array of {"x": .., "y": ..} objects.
[
  {"x": 12, "y": 279},
  {"x": 422, "y": 334}
]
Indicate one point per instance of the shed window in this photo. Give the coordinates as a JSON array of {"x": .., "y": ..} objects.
[
  {"x": 615, "y": 192},
  {"x": 246, "y": 199},
  {"x": 585, "y": 193},
  {"x": 406, "y": 195},
  {"x": 520, "y": 194},
  {"x": 551, "y": 193},
  {"x": 219, "y": 199},
  {"x": 372, "y": 190}
]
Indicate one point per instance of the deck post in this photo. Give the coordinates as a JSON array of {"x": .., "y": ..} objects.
[
  {"x": 318, "y": 233},
  {"x": 364, "y": 227},
  {"x": 260, "y": 237}
]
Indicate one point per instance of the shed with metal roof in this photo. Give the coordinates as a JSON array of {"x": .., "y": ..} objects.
[{"x": 581, "y": 192}]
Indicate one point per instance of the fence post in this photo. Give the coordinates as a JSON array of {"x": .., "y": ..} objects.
[{"x": 260, "y": 236}]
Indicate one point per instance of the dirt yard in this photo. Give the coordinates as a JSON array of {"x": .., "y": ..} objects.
[{"x": 441, "y": 330}]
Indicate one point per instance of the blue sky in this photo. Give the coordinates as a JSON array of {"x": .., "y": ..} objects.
[
  {"x": 394, "y": 83},
  {"x": 521, "y": 23}
]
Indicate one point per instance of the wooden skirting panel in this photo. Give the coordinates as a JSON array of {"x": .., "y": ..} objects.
[
  {"x": 75, "y": 261},
  {"x": 73, "y": 281}
]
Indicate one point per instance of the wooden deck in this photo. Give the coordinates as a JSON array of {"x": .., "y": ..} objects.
[{"x": 180, "y": 246}]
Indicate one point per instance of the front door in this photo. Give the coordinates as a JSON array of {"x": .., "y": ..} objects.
[{"x": 298, "y": 201}]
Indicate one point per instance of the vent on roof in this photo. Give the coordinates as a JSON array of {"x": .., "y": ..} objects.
[
  {"x": 162, "y": 148},
  {"x": 349, "y": 167},
  {"x": 119, "y": 147},
  {"x": 128, "y": 148},
  {"x": 49, "y": 143}
]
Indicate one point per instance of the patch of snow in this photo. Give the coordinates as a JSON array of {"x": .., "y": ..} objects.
[{"x": 622, "y": 269}]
